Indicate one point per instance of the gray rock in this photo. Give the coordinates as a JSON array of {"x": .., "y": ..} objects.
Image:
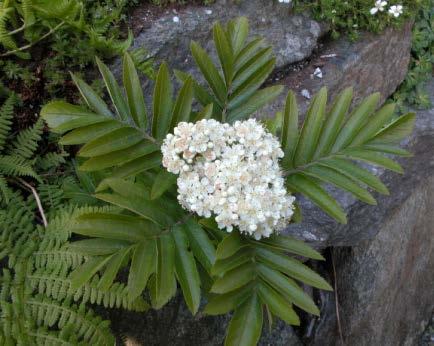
[
  {"x": 293, "y": 36},
  {"x": 385, "y": 285}
]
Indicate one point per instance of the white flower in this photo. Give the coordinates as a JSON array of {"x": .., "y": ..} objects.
[
  {"x": 231, "y": 173},
  {"x": 305, "y": 93},
  {"x": 285, "y": 1},
  {"x": 378, "y": 7},
  {"x": 175, "y": 19},
  {"x": 317, "y": 73},
  {"x": 395, "y": 10}
]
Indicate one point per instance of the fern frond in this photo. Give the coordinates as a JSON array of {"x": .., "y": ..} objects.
[
  {"x": 5, "y": 39},
  {"x": 66, "y": 10},
  {"x": 17, "y": 166},
  {"x": 27, "y": 12},
  {"x": 51, "y": 196},
  {"x": 50, "y": 160},
  {"x": 6, "y": 113},
  {"x": 26, "y": 142},
  {"x": 4, "y": 190},
  {"x": 86, "y": 326},
  {"x": 55, "y": 284}
]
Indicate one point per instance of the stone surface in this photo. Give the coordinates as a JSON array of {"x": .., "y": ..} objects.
[
  {"x": 385, "y": 285},
  {"x": 175, "y": 326},
  {"x": 292, "y": 36}
]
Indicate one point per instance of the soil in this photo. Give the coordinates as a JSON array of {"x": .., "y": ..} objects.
[{"x": 142, "y": 17}]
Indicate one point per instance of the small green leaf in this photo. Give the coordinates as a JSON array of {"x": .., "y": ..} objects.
[
  {"x": 224, "y": 51},
  {"x": 292, "y": 245},
  {"x": 186, "y": 270},
  {"x": 182, "y": 107},
  {"x": 332, "y": 176},
  {"x": 97, "y": 246},
  {"x": 246, "y": 324},
  {"x": 397, "y": 130},
  {"x": 355, "y": 122},
  {"x": 114, "y": 91},
  {"x": 121, "y": 157},
  {"x": 224, "y": 303},
  {"x": 292, "y": 267},
  {"x": 209, "y": 71},
  {"x": 163, "y": 181},
  {"x": 311, "y": 129},
  {"x": 86, "y": 271},
  {"x": 278, "y": 305},
  {"x": 355, "y": 172},
  {"x": 86, "y": 134},
  {"x": 112, "y": 268},
  {"x": 259, "y": 99},
  {"x": 203, "y": 248},
  {"x": 288, "y": 288},
  {"x": 142, "y": 266},
  {"x": 229, "y": 245},
  {"x": 374, "y": 158},
  {"x": 62, "y": 116},
  {"x": 115, "y": 226},
  {"x": 163, "y": 93},
  {"x": 165, "y": 273},
  {"x": 116, "y": 140},
  {"x": 388, "y": 149},
  {"x": 316, "y": 193},
  {"x": 375, "y": 123},
  {"x": 92, "y": 99},
  {"x": 238, "y": 31},
  {"x": 224, "y": 265},
  {"x": 334, "y": 122},
  {"x": 134, "y": 93},
  {"x": 234, "y": 279},
  {"x": 289, "y": 135}
]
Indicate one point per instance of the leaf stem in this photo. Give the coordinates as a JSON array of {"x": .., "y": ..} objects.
[
  {"x": 53, "y": 30},
  {"x": 38, "y": 200}
]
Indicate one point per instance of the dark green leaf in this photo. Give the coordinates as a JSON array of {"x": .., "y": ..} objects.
[
  {"x": 309, "y": 188},
  {"x": 202, "y": 247},
  {"x": 114, "y": 91},
  {"x": 334, "y": 122},
  {"x": 186, "y": 271},
  {"x": 355, "y": 122},
  {"x": 163, "y": 181},
  {"x": 165, "y": 273},
  {"x": 278, "y": 305},
  {"x": 311, "y": 129},
  {"x": 142, "y": 266},
  {"x": 134, "y": 92},
  {"x": 92, "y": 99},
  {"x": 234, "y": 279},
  {"x": 246, "y": 324}
]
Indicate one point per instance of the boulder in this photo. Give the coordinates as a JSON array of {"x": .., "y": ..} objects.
[{"x": 293, "y": 37}]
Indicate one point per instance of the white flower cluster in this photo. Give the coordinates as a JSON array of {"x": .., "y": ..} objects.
[
  {"x": 230, "y": 172},
  {"x": 379, "y": 6}
]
